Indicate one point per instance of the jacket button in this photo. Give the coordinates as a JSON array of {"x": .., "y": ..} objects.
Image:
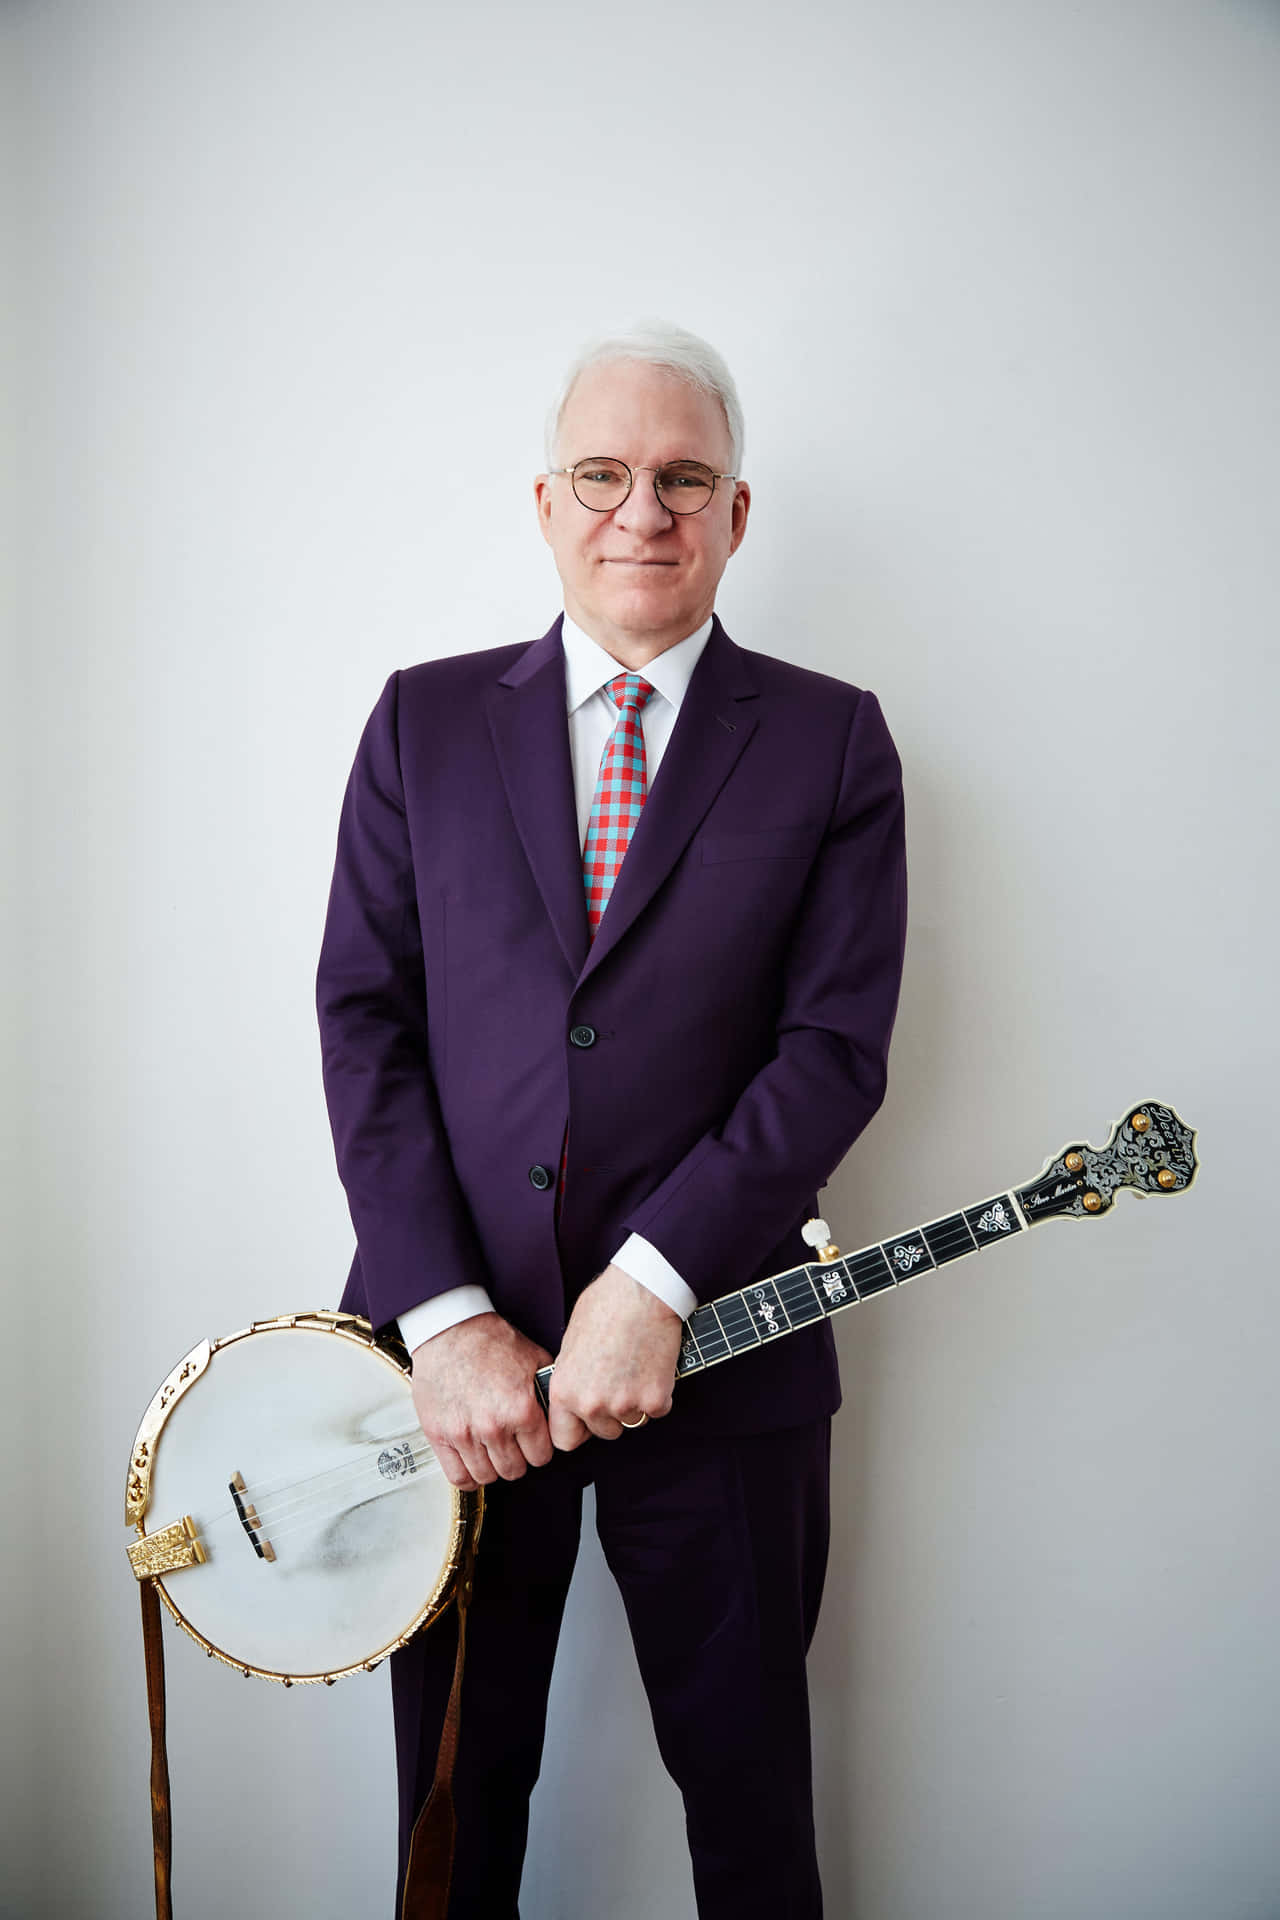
[
  {"x": 583, "y": 1036},
  {"x": 540, "y": 1177}
]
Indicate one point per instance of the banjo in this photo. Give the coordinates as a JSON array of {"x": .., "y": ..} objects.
[{"x": 289, "y": 1509}]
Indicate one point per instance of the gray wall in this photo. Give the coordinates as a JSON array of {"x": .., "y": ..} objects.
[
  {"x": 19, "y": 1563},
  {"x": 1000, "y": 286}
]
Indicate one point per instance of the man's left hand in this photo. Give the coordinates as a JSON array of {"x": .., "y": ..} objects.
[{"x": 618, "y": 1361}]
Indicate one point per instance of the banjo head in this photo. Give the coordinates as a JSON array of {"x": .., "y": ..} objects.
[{"x": 292, "y": 1512}]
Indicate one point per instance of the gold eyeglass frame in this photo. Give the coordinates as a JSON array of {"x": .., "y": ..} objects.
[{"x": 680, "y": 513}]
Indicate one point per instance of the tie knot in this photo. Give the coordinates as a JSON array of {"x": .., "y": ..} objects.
[{"x": 629, "y": 690}]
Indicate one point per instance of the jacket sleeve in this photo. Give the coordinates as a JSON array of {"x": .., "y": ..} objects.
[
  {"x": 413, "y": 1228},
  {"x": 743, "y": 1185}
]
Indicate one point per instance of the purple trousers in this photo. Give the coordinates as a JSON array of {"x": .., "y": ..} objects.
[{"x": 719, "y": 1549}]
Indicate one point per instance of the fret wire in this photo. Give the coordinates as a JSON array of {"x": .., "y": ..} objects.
[
  {"x": 689, "y": 1339},
  {"x": 905, "y": 1246},
  {"x": 809, "y": 1284},
  {"x": 763, "y": 1315},
  {"x": 710, "y": 1335},
  {"x": 738, "y": 1301},
  {"x": 793, "y": 1277},
  {"x": 870, "y": 1271},
  {"x": 834, "y": 1286},
  {"x": 715, "y": 1308},
  {"x": 999, "y": 1219},
  {"x": 939, "y": 1235},
  {"x": 800, "y": 1281}
]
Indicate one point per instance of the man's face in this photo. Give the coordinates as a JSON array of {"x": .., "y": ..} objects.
[{"x": 639, "y": 578}]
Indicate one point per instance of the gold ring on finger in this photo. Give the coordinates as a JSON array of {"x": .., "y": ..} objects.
[{"x": 631, "y": 1425}]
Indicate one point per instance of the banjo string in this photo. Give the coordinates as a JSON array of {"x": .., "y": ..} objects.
[
  {"x": 289, "y": 1502},
  {"x": 263, "y": 1492},
  {"x": 265, "y": 1489},
  {"x": 284, "y": 1519},
  {"x": 312, "y": 1520}
]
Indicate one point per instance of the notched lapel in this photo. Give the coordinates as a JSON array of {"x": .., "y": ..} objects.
[
  {"x": 529, "y": 724},
  {"x": 714, "y": 726}
]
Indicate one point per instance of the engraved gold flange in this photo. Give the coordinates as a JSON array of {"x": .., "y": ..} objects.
[
  {"x": 137, "y": 1490},
  {"x": 137, "y": 1494}
]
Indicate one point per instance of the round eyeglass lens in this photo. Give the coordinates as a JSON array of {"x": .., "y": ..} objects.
[
  {"x": 685, "y": 486},
  {"x": 601, "y": 484}
]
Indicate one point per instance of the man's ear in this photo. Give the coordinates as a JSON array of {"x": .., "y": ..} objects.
[
  {"x": 738, "y": 514},
  {"x": 542, "y": 499}
]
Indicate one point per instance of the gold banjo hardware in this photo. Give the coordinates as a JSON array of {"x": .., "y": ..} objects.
[
  {"x": 137, "y": 1492},
  {"x": 176, "y": 1546},
  {"x": 1150, "y": 1151},
  {"x": 167, "y": 1550}
]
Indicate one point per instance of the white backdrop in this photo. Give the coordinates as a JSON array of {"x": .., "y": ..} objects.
[{"x": 1000, "y": 287}]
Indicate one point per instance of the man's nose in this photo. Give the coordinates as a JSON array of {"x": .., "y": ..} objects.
[{"x": 642, "y": 512}]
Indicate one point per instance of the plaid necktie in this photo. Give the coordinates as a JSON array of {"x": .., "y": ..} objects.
[{"x": 620, "y": 793}]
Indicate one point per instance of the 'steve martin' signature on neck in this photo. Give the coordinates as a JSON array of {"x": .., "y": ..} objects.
[{"x": 1150, "y": 1150}]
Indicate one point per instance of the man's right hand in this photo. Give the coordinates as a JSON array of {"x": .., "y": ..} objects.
[{"x": 474, "y": 1395}]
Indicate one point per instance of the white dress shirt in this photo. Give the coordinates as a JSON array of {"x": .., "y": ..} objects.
[{"x": 592, "y": 717}]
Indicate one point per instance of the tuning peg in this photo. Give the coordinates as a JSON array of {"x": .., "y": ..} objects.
[{"x": 817, "y": 1234}]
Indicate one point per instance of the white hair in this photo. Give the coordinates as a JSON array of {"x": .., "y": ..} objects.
[{"x": 660, "y": 345}]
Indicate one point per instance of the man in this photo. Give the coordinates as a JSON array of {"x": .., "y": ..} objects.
[{"x": 607, "y": 985}]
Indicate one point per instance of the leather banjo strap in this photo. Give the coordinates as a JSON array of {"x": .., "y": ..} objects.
[
  {"x": 161, "y": 1823},
  {"x": 429, "y": 1873},
  {"x": 430, "y": 1869}
]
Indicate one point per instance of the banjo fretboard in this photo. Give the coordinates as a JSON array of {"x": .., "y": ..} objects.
[
  {"x": 761, "y": 1312},
  {"x": 1150, "y": 1151}
]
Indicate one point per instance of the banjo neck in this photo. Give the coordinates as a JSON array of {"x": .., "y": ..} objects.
[{"x": 1150, "y": 1151}]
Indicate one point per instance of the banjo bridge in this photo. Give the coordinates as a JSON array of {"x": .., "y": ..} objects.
[
  {"x": 166, "y": 1550},
  {"x": 249, "y": 1518}
]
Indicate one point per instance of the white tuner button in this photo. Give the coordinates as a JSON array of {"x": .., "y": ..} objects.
[{"x": 817, "y": 1234}]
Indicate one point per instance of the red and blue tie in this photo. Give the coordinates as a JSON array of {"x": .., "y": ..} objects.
[
  {"x": 620, "y": 793},
  {"x": 621, "y": 786}
]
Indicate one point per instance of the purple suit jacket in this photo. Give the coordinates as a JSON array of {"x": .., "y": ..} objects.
[{"x": 740, "y": 994}]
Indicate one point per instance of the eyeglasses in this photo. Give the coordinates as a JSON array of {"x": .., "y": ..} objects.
[{"x": 682, "y": 486}]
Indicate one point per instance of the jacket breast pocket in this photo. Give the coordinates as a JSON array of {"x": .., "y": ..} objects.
[{"x": 768, "y": 843}]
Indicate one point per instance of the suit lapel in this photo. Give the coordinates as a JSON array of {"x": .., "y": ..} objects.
[
  {"x": 529, "y": 723},
  {"x": 713, "y": 728}
]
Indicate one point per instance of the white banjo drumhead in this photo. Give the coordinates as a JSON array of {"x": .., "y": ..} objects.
[{"x": 358, "y": 1524}]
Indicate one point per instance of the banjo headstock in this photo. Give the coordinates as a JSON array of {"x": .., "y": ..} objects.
[{"x": 1150, "y": 1150}]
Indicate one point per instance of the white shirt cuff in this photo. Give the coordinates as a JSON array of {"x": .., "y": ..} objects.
[
  {"x": 652, "y": 1269},
  {"x": 445, "y": 1311}
]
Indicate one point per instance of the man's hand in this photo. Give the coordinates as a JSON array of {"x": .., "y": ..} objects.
[
  {"x": 618, "y": 1361},
  {"x": 473, "y": 1392}
]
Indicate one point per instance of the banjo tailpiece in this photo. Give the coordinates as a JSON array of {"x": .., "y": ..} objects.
[
  {"x": 429, "y": 1875},
  {"x": 365, "y": 1534},
  {"x": 348, "y": 1402}
]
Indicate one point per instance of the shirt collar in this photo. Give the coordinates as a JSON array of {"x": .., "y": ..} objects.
[{"x": 588, "y": 668}]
